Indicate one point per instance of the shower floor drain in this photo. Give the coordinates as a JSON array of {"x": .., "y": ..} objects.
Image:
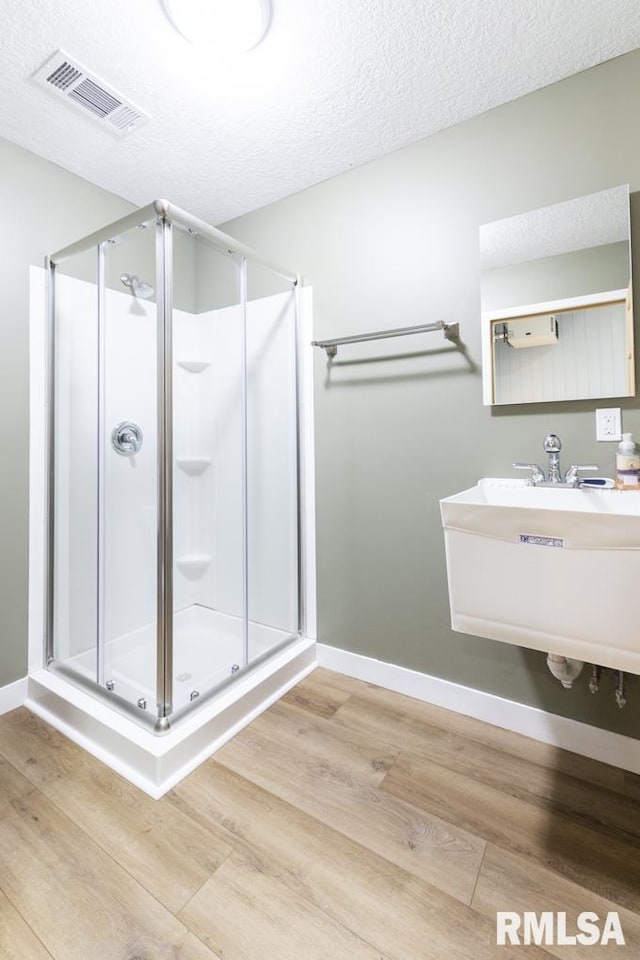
[{"x": 184, "y": 676}]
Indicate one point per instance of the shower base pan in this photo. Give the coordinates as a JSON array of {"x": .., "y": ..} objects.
[
  {"x": 207, "y": 649},
  {"x": 156, "y": 763}
]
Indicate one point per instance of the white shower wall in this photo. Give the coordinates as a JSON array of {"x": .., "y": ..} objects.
[
  {"x": 208, "y": 479},
  {"x": 208, "y": 426},
  {"x": 75, "y": 561},
  {"x": 208, "y": 505}
]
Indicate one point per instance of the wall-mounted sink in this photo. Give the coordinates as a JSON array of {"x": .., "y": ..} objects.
[{"x": 549, "y": 569}]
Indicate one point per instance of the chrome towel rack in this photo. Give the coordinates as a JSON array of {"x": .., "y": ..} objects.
[{"x": 451, "y": 332}]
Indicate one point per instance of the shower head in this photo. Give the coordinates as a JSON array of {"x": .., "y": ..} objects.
[{"x": 139, "y": 288}]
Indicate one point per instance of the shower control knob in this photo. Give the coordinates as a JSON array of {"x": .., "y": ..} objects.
[{"x": 126, "y": 438}]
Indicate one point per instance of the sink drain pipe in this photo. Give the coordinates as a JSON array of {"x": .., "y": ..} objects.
[{"x": 564, "y": 669}]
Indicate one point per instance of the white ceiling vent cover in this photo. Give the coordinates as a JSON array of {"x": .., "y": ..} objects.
[{"x": 66, "y": 78}]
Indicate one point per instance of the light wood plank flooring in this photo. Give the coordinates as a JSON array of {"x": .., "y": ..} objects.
[{"x": 345, "y": 823}]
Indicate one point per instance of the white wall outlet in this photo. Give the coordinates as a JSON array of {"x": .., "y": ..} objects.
[{"x": 608, "y": 424}]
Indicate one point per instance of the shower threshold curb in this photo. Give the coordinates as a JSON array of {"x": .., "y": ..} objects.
[{"x": 155, "y": 763}]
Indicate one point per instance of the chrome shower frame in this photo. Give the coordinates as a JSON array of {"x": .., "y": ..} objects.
[{"x": 165, "y": 215}]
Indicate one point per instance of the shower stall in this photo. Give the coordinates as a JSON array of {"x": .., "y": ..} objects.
[{"x": 178, "y": 530}]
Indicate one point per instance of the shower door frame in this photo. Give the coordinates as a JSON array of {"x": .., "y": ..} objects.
[{"x": 165, "y": 214}]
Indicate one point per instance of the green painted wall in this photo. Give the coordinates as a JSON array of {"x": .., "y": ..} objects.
[
  {"x": 395, "y": 243},
  {"x": 44, "y": 208}
]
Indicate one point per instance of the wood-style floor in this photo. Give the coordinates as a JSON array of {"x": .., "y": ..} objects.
[{"x": 346, "y": 823}]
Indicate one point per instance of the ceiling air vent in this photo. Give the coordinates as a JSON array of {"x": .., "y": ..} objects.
[{"x": 66, "y": 78}]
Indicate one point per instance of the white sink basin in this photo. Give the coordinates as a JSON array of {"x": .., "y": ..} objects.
[
  {"x": 550, "y": 569},
  {"x": 509, "y": 492}
]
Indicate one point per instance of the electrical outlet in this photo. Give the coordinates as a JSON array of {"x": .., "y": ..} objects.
[{"x": 608, "y": 424}]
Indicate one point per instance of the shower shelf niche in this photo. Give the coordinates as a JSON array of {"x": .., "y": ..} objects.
[
  {"x": 194, "y": 466},
  {"x": 193, "y": 366},
  {"x": 193, "y": 565}
]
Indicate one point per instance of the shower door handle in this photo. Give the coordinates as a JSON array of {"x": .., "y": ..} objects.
[{"x": 126, "y": 438}]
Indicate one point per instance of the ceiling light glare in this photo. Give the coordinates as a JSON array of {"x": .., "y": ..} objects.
[{"x": 224, "y": 26}]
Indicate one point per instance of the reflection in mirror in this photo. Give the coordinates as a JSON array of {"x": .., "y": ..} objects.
[{"x": 557, "y": 319}]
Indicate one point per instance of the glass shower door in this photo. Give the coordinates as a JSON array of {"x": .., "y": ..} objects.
[
  {"x": 128, "y": 474},
  {"x": 73, "y": 559},
  {"x": 273, "y": 603}
]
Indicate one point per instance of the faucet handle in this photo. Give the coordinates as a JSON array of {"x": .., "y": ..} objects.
[
  {"x": 571, "y": 476},
  {"x": 537, "y": 476}
]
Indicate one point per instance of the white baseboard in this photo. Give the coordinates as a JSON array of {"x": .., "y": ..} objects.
[
  {"x": 13, "y": 695},
  {"x": 581, "y": 738},
  {"x": 612, "y": 748}
]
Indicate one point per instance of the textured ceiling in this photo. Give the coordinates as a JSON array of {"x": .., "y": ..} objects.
[{"x": 334, "y": 84}]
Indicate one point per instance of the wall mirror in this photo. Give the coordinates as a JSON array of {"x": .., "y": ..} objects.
[{"x": 556, "y": 299}]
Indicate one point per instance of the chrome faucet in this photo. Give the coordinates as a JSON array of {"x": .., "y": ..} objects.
[
  {"x": 552, "y": 447},
  {"x": 554, "y": 478}
]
